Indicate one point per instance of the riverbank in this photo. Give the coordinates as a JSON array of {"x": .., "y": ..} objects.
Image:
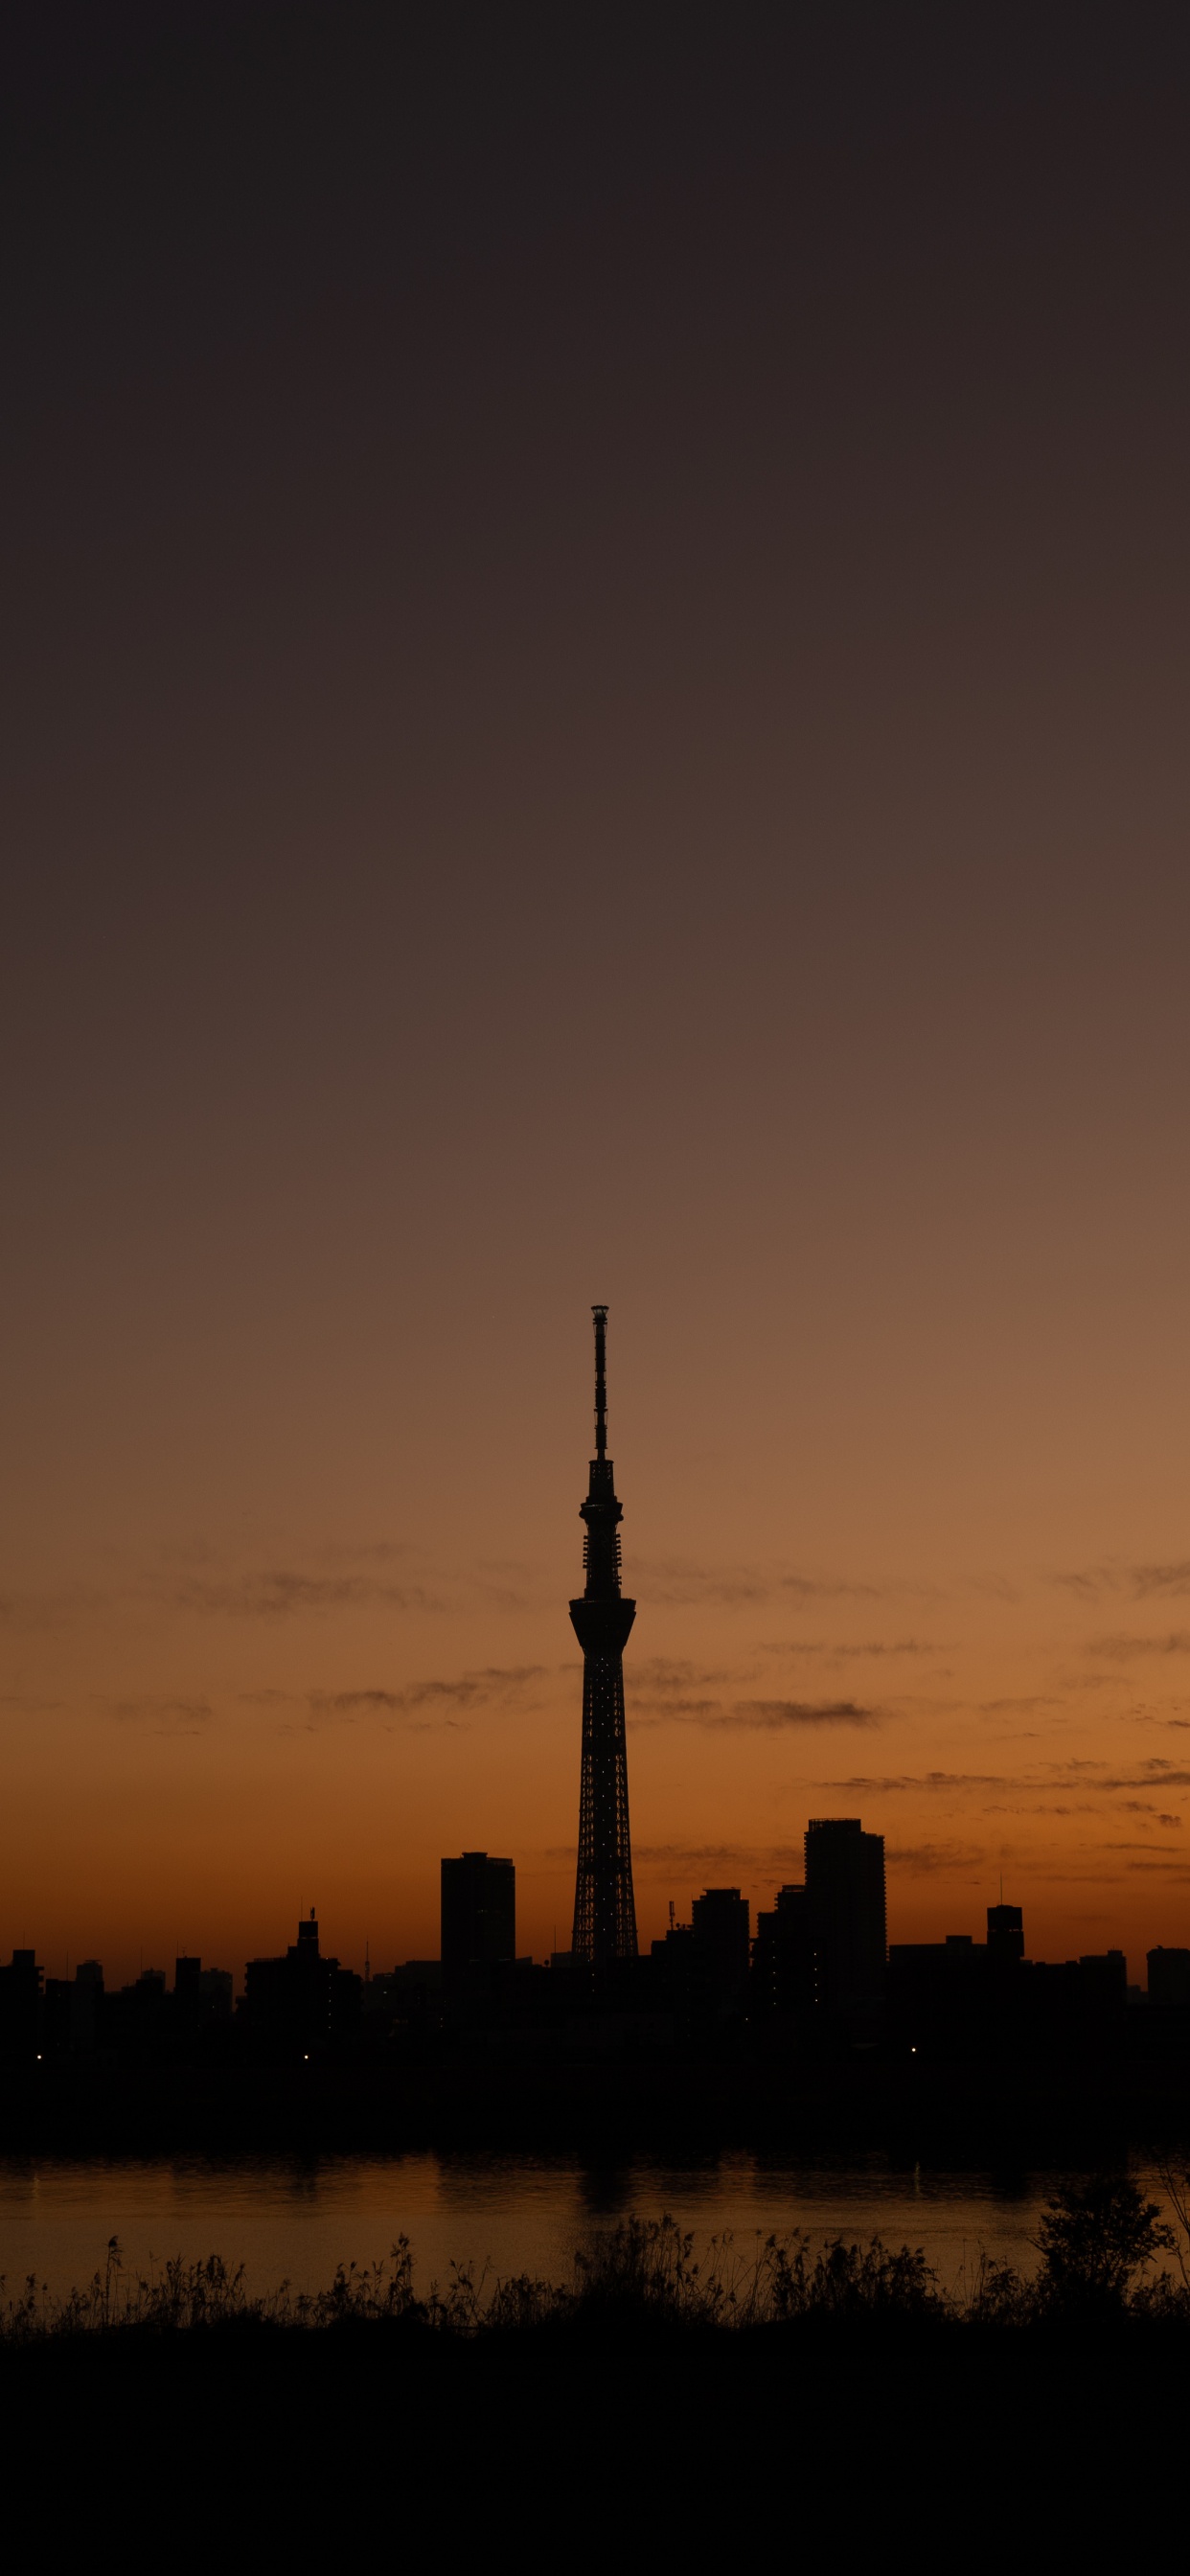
[
  {"x": 609, "y": 2450},
  {"x": 1107, "y": 2255},
  {"x": 658, "y": 2395}
]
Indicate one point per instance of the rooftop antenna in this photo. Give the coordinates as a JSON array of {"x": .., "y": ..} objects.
[
  {"x": 600, "y": 1315},
  {"x": 367, "y": 1962}
]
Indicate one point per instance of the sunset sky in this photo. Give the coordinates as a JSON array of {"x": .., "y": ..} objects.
[{"x": 596, "y": 696}]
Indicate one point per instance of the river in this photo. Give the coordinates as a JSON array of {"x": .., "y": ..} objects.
[{"x": 297, "y": 2221}]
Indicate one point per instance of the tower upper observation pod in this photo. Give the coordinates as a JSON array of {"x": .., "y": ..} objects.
[
  {"x": 604, "y": 1908},
  {"x": 601, "y": 1511}
]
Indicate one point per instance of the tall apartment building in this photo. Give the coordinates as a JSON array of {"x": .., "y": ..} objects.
[
  {"x": 478, "y": 1918},
  {"x": 845, "y": 1901},
  {"x": 719, "y": 1921}
]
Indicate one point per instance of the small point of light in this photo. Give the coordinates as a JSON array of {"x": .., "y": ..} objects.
[
  {"x": 306, "y": 2058},
  {"x": 913, "y": 2052},
  {"x": 39, "y": 2057}
]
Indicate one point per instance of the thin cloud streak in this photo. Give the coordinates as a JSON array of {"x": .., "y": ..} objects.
[
  {"x": 1123, "y": 1649},
  {"x": 771, "y": 1716},
  {"x": 168, "y": 1716},
  {"x": 925, "y": 1860},
  {"x": 1140, "y": 1582},
  {"x": 1076, "y": 1775},
  {"x": 779, "y": 1713},
  {"x": 703, "y": 1856},
  {"x": 457, "y": 1695},
  {"x": 865, "y": 1646},
  {"x": 285, "y": 1594},
  {"x": 663, "y": 1675},
  {"x": 677, "y": 1582}
]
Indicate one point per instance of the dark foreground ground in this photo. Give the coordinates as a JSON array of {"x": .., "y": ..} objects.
[{"x": 370, "y": 2447}]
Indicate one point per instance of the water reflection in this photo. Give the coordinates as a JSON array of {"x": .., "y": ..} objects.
[
  {"x": 297, "y": 2218},
  {"x": 607, "y": 2191}
]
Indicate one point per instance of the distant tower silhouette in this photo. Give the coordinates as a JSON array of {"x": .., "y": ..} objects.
[{"x": 604, "y": 1911}]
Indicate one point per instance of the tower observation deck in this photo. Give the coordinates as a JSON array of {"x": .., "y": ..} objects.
[{"x": 604, "y": 1909}]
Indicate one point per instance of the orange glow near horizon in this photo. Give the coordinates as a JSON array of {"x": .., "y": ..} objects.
[{"x": 206, "y": 1741}]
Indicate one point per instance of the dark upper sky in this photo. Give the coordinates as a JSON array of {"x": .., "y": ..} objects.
[{"x": 595, "y": 702}]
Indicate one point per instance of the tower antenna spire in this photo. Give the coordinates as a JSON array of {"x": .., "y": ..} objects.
[{"x": 600, "y": 1315}]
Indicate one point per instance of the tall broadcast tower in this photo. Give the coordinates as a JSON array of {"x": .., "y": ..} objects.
[{"x": 604, "y": 1911}]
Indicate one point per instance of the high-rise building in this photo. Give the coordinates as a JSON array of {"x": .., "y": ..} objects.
[
  {"x": 86, "y": 2005},
  {"x": 187, "y": 1988},
  {"x": 478, "y": 1917},
  {"x": 937, "y": 1995},
  {"x": 845, "y": 1898},
  {"x": 201, "y": 1997},
  {"x": 303, "y": 2001},
  {"x": 783, "y": 1960},
  {"x": 21, "y": 2006},
  {"x": 1169, "y": 1977},
  {"x": 604, "y": 1908},
  {"x": 722, "y": 1947},
  {"x": 1006, "y": 1932},
  {"x": 1167, "y": 2012}
]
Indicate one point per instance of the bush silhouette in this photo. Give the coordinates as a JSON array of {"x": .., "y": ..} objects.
[{"x": 1095, "y": 2238}]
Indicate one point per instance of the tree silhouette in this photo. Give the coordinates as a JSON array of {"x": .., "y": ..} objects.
[{"x": 1094, "y": 2238}]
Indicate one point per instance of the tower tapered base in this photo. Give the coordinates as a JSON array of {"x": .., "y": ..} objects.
[{"x": 604, "y": 1906}]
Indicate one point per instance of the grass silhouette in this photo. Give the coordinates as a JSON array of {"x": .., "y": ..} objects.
[{"x": 1099, "y": 2242}]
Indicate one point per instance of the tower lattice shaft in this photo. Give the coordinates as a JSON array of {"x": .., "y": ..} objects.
[{"x": 604, "y": 1908}]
